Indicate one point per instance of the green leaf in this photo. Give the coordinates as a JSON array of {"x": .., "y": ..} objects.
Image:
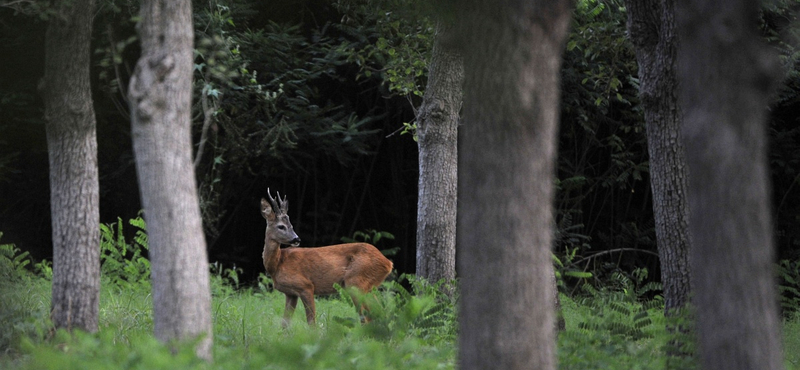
[{"x": 579, "y": 274}]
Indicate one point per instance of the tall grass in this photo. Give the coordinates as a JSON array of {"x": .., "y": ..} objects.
[
  {"x": 791, "y": 342},
  {"x": 614, "y": 327},
  {"x": 247, "y": 334}
]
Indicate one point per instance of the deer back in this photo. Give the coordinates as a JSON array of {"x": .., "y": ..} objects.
[
  {"x": 359, "y": 265},
  {"x": 296, "y": 270}
]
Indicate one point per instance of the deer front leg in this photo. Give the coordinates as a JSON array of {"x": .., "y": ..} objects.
[
  {"x": 308, "y": 303},
  {"x": 291, "y": 303}
]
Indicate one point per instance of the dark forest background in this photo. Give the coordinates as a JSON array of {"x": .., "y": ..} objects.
[{"x": 316, "y": 99}]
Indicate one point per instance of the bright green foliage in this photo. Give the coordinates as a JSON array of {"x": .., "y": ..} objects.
[
  {"x": 397, "y": 313},
  {"x": 126, "y": 311},
  {"x": 248, "y": 335},
  {"x": 102, "y": 351},
  {"x": 410, "y": 128},
  {"x": 12, "y": 261},
  {"x": 25, "y": 302},
  {"x": 24, "y": 311},
  {"x": 791, "y": 343},
  {"x": 619, "y": 326},
  {"x": 225, "y": 278},
  {"x": 121, "y": 262},
  {"x": 594, "y": 348},
  {"x": 620, "y": 308}
]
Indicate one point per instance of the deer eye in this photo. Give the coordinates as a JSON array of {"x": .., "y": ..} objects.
[{"x": 281, "y": 227}]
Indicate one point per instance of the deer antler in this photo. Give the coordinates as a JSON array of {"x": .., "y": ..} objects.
[
  {"x": 284, "y": 204},
  {"x": 302, "y": 273},
  {"x": 273, "y": 203}
]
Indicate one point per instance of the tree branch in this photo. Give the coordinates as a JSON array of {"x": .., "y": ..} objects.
[{"x": 208, "y": 113}]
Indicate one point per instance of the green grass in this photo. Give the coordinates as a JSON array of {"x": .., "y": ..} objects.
[
  {"x": 791, "y": 342},
  {"x": 247, "y": 333},
  {"x": 612, "y": 327},
  {"x": 608, "y": 330}
]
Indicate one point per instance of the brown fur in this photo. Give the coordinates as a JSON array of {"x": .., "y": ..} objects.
[{"x": 306, "y": 272}]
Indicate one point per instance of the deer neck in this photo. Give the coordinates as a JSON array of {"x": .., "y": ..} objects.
[{"x": 271, "y": 256}]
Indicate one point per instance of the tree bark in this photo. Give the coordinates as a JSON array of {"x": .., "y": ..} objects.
[
  {"x": 726, "y": 75},
  {"x": 651, "y": 26},
  {"x": 512, "y": 57},
  {"x": 160, "y": 95},
  {"x": 437, "y": 134},
  {"x": 72, "y": 149}
]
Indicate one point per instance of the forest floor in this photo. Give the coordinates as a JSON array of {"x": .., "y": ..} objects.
[{"x": 605, "y": 330}]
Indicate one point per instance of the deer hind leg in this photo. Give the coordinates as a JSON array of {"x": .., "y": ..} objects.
[
  {"x": 361, "y": 308},
  {"x": 291, "y": 303},
  {"x": 308, "y": 303},
  {"x": 364, "y": 286}
]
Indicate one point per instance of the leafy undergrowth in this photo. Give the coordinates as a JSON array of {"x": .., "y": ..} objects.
[
  {"x": 247, "y": 333},
  {"x": 410, "y": 331},
  {"x": 791, "y": 343},
  {"x": 615, "y": 327}
]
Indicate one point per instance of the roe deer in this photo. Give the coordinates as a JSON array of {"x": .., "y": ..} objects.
[{"x": 305, "y": 272}]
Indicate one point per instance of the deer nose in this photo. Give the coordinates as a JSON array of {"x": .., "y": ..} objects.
[{"x": 295, "y": 242}]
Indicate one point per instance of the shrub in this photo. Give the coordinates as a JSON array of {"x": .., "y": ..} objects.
[
  {"x": 425, "y": 312},
  {"x": 13, "y": 262},
  {"x": 124, "y": 263},
  {"x": 789, "y": 286},
  {"x": 618, "y": 327},
  {"x": 25, "y": 302}
]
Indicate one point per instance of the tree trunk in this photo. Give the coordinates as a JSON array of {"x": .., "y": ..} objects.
[
  {"x": 512, "y": 56},
  {"x": 161, "y": 94},
  {"x": 72, "y": 147},
  {"x": 651, "y": 27},
  {"x": 437, "y": 132},
  {"x": 726, "y": 75}
]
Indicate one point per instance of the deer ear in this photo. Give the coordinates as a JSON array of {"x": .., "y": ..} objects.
[{"x": 266, "y": 210}]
